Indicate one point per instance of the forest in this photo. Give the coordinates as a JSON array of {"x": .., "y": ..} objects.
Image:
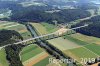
[
  {"x": 40, "y": 16},
  {"x": 13, "y": 57},
  {"x": 9, "y": 36},
  {"x": 93, "y": 29}
]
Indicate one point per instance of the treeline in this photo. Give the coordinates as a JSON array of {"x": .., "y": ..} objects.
[
  {"x": 13, "y": 57},
  {"x": 12, "y": 51},
  {"x": 40, "y": 16},
  {"x": 93, "y": 29},
  {"x": 86, "y": 6},
  {"x": 9, "y": 37}
]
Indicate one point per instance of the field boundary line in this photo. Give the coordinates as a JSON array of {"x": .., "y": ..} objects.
[
  {"x": 91, "y": 51},
  {"x": 40, "y": 55},
  {"x": 80, "y": 46},
  {"x": 34, "y": 57}
]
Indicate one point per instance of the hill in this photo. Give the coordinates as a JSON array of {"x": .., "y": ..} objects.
[{"x": 93, "y": 29}]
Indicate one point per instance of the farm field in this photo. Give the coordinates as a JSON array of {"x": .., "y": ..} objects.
[
  {"x": 49, "y": 27},
  {"x": 17, "y": 27},
  {"x": 80, "y": 53},
  {"x": 88, "y": 39},
  {"x": 44, "y": 28},
  {"x": 3, "y": 61},
  {"x": 29, "y": 52},
  {"x": 12, "y": 26},
  {"x": 94, "y": 47},
  {"x": 77, "y": 41},
  {"x": 36, "y": 58},
  {"x": 88, "y": 50},
  {"x": 63, "y": 44},
  {"x": 76, "y": 45},
  {"x": 43, "y": 62},
  {"x": 40, "y": 28}
]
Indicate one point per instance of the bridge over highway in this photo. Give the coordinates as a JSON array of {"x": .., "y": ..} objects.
[{"x": 47, "y": 36}]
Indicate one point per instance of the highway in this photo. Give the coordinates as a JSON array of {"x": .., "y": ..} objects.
[{"x": 37, "y": 37}]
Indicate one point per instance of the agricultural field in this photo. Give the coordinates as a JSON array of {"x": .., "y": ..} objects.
[
  {"x": 43, "y": 62},
  {"x": 3, "y": 61},
  {"x": 76, "y": 45},
  {"x": 94, "y": 48},
  {"x": 40, "y": 28},
  {"x": 17, "y": 27},
  {"x": 79, "y": 53},
  {"x": 33, "y": 55},
  {"x": 49, "y": 27},
  {"x": 63, "y": 44},
  {"x": 29, "y": 52},
  {"x": 88, "y": 39},
  {"x": 73, "y": 46},
  {"x": 44, "y": 28},
  {"x": 76, "y": 48},
  {"x": 12, "y": 26},
  {"x": 88, "y": 50}
]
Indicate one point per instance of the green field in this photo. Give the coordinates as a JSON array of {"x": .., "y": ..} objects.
[
  {"x": 87, "y": 50},
  {"x": 94, "y": 47},
  {"x": 44, "y": 28},
  {"x": 43, "y": 62},
  {"x": 29, "y": 52},
  {"x": 77, "y": 41},
  {"x": 88, "y": 39},
  {"x": 80, "y": 53},
  {"x": 76, "y": 45},
  {"x": 63, "y": 44},
  {"x": 40, "y": 28},
  {"x": 49, "y": 27},
  {"x": 3, "y": 61}
]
